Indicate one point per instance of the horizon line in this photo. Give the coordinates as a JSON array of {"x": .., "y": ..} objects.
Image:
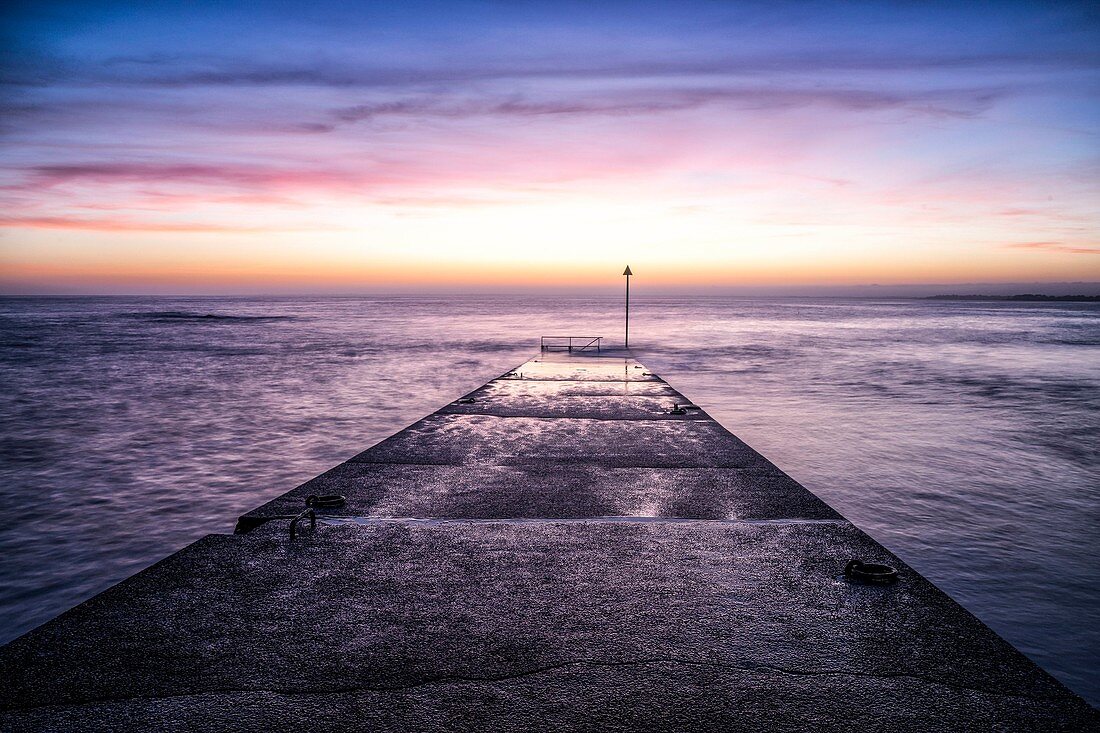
[{"x": 905, "y": 291}]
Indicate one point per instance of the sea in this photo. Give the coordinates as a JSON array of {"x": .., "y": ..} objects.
[{"x": 964, "y": 436}]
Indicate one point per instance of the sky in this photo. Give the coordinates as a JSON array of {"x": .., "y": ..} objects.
[{"x": 341, "y": 147}]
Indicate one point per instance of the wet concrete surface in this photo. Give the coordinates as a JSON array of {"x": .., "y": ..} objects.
[
  {"x": 393, "y": 615},
  {"x": 547, "y": 389},
  {"x": 559, "y": 492},
  {"x": 595, "y": 407},
  {"x": 582, "y": 367},
  {"x": 486, "y": 439},
  {"x": 505, "y": 564}
]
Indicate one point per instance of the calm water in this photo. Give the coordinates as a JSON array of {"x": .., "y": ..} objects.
[{"x": 964, "y": 436}]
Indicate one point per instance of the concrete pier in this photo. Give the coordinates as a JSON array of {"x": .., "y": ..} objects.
[{"x": 557, "y": 550}]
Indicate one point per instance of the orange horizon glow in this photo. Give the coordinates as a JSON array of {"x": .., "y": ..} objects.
[{"x": 232, "y": 277}]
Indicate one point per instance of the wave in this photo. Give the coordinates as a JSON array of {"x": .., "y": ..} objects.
[{"x": 191, "y": 316}]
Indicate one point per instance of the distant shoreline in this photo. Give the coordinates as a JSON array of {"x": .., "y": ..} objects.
[{"x": 1022, "y": 297}]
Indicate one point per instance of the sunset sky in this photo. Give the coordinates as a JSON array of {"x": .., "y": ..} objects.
[{"x": 155, "y": 147}]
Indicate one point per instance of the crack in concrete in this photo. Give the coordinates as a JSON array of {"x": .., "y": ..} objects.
[
  {"x": 338, "y": 520},
  {"x": 506, "y": 677},
  {"x": 517, "y": 415}
]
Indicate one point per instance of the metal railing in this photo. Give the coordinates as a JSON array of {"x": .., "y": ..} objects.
[{"x": 571, "y": 343}]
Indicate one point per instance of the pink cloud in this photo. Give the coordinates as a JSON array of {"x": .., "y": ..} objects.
[
  {"x": 1056, "y": 247},
  {"x": 131, "y": 225}
]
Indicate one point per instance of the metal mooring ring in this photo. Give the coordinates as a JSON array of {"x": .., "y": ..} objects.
[
  {"x": 325, "y": 501},
  {"x": 306, "y": 514},
  {"x": 866, "y": 572}
]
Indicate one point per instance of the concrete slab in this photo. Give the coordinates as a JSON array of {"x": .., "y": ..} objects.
[
  {"x": 566, "y": 491},
  {"x": 474, "y": 625},
  {"x": 553, "y": 367},
  {"x": 467, "y": 439},
  {"x": 550, "y": 389},
  {"x": 596, "y": 407}
]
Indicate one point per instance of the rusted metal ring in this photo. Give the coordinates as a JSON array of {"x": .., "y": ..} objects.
[
  {"x": 325, "y": 501},
  {"x": 872, "y": 573},
  {"x": 305, "y": 513}
]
